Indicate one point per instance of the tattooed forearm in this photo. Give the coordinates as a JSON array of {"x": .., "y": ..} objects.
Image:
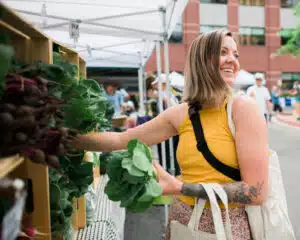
[
  {"x": 242, "y": 193},
  {"x": 194, "y": 190},
  {"x": 237, "y": 192}
]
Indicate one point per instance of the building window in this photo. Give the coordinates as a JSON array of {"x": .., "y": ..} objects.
[
  {"x": 252, "y": 2},
  {"x": 288, "y": 79},
  {"x": 176, "y": 36},
  {"x": 214, "y": 1},
  {"x": 208, "y": 28},
  {"x": 288, "y": 3},
  {"x": 285, "y": 35},
  {"x": 252, "y": 36}
]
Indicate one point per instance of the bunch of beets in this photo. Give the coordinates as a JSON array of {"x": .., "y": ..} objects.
[{"x": 30, "y": 121}]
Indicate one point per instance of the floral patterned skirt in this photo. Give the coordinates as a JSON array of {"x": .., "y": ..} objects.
[{"x": 182, "y": 212}]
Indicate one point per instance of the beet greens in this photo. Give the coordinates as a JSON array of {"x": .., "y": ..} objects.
[
  {"x": 42, "y": 108},
  {"x": 132, "y": 179}
]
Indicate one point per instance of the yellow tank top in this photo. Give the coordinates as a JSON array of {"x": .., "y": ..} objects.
[{"x": 194, "y": 167}]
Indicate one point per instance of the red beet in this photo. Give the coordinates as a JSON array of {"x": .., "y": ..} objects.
[
  {"x": 53, "y": 162},
  {"x": 6, "y": 119},
  {"x": 7, "y": 107},
  {"x": 35, "y": 155}
]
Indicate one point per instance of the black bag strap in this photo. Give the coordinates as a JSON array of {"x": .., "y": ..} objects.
[{"x": 202, "y": 146}]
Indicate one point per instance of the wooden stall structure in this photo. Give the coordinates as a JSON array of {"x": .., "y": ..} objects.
[{"x": 32, "y": 45}]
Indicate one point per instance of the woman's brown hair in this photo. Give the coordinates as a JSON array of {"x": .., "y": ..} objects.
[{"x": 203, "y": 82}]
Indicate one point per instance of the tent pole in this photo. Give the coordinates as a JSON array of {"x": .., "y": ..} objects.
[
  {"x": 161, "y": 109},
  {"x": 167, "y": 72},
  {"x": 141, "y": 95},
  {"x": 160, "y": 97}
]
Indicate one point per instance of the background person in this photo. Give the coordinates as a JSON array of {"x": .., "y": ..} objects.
[
  {"x": 275, "y": 96},
  {"x": 260, "y": 94},
  {"x": 114, "y": 96},
  {"x": 296, "y": 93}
]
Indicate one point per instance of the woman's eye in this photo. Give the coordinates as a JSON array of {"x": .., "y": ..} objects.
[
  {"x": 223, "y": 52},
  {"x": 236, "y": 55}
]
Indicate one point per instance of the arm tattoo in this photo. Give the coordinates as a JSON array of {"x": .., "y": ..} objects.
[
  {"x": 237, "y": 192},
  {"x": 242, "y": 193}
]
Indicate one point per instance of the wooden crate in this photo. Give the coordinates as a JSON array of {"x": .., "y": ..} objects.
[{"x": 30, "y": 45}]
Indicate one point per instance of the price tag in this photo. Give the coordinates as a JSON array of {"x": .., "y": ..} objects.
[{"x": 12, "y": 220}]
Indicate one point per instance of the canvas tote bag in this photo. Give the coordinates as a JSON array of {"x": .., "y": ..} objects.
[
  {"x": 269, "y": 221},
  {"x": 190, "y": 232}
]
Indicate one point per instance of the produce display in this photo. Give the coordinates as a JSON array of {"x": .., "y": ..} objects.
[
  {"x": 6, "y": 53},
  {"x": 132, "y": 178},
  {"x": 42, "y": 108}
]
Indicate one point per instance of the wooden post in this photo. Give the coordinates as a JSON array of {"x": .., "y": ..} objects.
[
  {"x": 74, "y": 217},
  {"x": 82, "y": 67},
  {"x": 81, "y": 212}
]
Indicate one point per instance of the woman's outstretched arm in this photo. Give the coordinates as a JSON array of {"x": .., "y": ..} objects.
[{"x": 152, "y": 132}]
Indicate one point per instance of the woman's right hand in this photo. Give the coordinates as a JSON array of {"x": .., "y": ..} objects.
[{"x": 169, "y": 184}]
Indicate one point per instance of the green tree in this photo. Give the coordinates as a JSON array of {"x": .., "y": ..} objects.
[{"x": 293, "y": 45}]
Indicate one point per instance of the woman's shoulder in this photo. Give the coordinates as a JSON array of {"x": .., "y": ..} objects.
[
  {"x": 177, "y": 114},
  {"x": 243, "y": 101},
  {"x": 245, "y": 108}
]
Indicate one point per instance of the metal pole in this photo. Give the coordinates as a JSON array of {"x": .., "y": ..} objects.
[
  {"x": 141, "y": 97},
  {"x": 161, "y": 109},
  {"x": 167, "y": 72}
]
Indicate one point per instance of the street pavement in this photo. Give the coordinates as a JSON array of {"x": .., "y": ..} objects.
[
  {"x": 282, "y": 138},
  {"x": 286, "y": 141}
]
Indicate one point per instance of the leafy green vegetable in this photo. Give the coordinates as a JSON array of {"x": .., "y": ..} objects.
[
  {"x": 85, "y": 107},
  {"x": 139, "y": 206},
  {"x": 115, "y": 191},
  {"x": 127, "y": 164},
  {"x": 127, "y": 177},
  {"x": 115, "y": 170},
  {"x": 131, "y": 146},
  {"x": 153, "y": 190},
  {"x": 129, "y": 197},
  {"x": 6, "y": 54},
  {"x": 140, "y": 160},
  {"x": 132, "y": 180}
]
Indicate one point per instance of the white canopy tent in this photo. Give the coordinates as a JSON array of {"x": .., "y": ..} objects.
[
  {"x": 116, "y": 33},
  {"x": 134, "y": 18},
  {"x": 177, "y": 80},
  {"x": 244, "y": 78}
]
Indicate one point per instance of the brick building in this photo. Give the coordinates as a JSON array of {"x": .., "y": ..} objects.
[{"x": 259, "y": 23}]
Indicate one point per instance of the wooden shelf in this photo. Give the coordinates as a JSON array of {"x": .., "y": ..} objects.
[
  {"x": 10, "y": 30},
  {"x": 31, "y": 45},
  {"x": 8, "y": 164},
  {"x": 18, "y": 22}
]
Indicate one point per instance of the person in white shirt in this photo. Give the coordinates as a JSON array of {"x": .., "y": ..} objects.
[
  {"x": 173, "y": 100},
  {"x": 260, "y": 93}
]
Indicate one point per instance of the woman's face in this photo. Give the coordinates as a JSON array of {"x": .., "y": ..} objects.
[{"x": 229, "y": 64}]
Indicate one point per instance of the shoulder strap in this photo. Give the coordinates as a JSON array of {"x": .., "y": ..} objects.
[
  {"x": 229, "y": 117},
  {"x": 202, "y": 146},
  {"x": 229, "y": 112}
]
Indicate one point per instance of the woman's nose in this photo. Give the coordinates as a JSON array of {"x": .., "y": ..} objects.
[{"x": 230, "y": 58}]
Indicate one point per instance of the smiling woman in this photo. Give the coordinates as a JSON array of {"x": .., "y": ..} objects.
[{"x": 211, "y": 67}]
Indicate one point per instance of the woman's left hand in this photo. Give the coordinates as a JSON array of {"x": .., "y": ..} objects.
[{"x": 169, "y": 184}]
